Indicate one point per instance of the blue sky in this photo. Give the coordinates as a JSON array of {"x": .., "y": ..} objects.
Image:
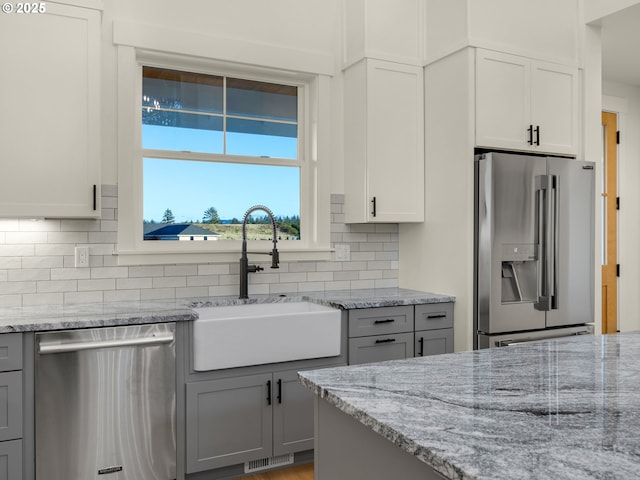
[{"x": 188, "y": 188}]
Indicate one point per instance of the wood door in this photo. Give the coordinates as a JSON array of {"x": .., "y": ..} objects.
[{"x": 610, "y": 225}]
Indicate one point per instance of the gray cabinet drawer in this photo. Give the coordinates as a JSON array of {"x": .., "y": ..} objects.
[
  {"x": 380, "y": 347},
  {"x": 433, "y": 316},
  {"x": 380, "y": 321},
  {"x": 10, "y": 405},
  {"x": 11, "y": 460},
  {"x": 10, "y": 352},
  {"x": 434, "y": 342}
]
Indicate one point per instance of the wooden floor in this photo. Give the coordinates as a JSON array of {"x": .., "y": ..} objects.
[{"x": 302, "y": 472}]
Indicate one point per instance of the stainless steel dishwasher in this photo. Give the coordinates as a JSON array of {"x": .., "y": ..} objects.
[{"x": 105, "y": 403}]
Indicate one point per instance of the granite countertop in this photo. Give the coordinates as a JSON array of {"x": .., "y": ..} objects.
[
  {"x": 562, "y": 409},
  {"x": 59, "y": 317}
]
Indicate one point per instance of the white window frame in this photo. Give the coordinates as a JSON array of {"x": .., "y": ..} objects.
[{"x": 313, "y": 148}]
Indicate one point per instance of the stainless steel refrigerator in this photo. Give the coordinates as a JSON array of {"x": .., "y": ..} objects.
[{"x": 534, "y": 248}]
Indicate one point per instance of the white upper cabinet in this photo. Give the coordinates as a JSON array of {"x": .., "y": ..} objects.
[
  {"x": 49, "y": 119},
  {"x": 384, "y": 142},
  {"x": 526, "y": 104}
]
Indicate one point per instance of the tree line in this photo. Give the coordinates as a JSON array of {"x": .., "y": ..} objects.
[{"x": 289, "y": 225}]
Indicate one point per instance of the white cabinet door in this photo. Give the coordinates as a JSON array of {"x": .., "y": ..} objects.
[
  {"x": 384, "y": 142},
  {"x": 555, "y": 107},
  {"x": 525, "y": 104},
  {"x": 50, "y": 112},
  {"x": 503, "y": 100}
]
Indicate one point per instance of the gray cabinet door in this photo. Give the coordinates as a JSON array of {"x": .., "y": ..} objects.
[
  {"x": 228, "y": 421},
  {"x": 11, "y": 460},
  {"x": 10, "y": 405},
  {"x": 292, "y": 414},
  {"x": 380, "y": 347},
  {"x": 434, "y": 342}
]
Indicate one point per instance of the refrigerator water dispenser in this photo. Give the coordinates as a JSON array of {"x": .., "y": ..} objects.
[{"x": 519, "y": 273}]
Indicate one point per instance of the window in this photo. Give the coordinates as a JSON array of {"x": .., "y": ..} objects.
[
  {"x": 193, "y": 131},
  {"x": 212, "y": 147}
]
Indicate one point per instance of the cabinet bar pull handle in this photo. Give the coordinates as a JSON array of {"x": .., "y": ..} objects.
[
  {"x": 530, "y": 131},
  {"x": 421, "y": 342},
  {"x": 373, "y": 212},
  {"x": 386, "y": 340},
  {"x": 95, "y": 197},
  {"x": 388, "y": 320},
  {"x": 268, "y": 392},
  {"x": 538, "y": 135},
  {"x": 279, "y": 390},
  {"x": 437, "y": 315}
]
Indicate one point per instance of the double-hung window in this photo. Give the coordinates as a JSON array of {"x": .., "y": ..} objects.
[
  {"x": 201, "y": 140},
  {"x": 213, "y": 146}
]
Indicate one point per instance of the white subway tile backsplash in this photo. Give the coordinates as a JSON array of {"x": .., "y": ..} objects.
[
  {"x": 11, "y": 300},
  {"x": 17, "y": 250},
  {"x": 39, "y": 225},
  {"x": 57, "y": 286},
  {"x": 42, "y": 299},
  {"x": 134, "y": 283},
  {"x": 25, "y": 237},
  {"x": 192, "y": 292},
  {"x": 67, "y": 237},
  {"x": 37, "y": 264},
  {"x": 175, "y": 270},
  {"x": 27, "y": 274},
  {"x": 98, "y": 284},
  {"x": 83, "y": 297},
  {"x": 43, "y": 262},
  {"x": 203, "y": 280},
  {"x": 157, "y": 293},
  {"x": 121, "y": 295},
  {"x": 164, "y": 282},
  {"x": 10, "y": 262},
  {"x": 110, "y": 272}
]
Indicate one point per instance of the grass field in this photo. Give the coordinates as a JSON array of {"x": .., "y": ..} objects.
[{"x": 234, "y": 232}]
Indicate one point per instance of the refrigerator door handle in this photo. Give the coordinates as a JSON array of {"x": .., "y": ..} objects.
[
  {"x": 544, "y": 186},
  {"x": 553, "y": 291}
]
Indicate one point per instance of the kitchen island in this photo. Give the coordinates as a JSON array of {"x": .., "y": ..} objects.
[{"x": 562, "y": 409}]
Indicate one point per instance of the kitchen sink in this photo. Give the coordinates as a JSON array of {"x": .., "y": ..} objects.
[{"x": 255, "y": 334}]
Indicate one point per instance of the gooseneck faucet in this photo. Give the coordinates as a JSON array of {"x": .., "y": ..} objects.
[{"x": 245, "y": 268}]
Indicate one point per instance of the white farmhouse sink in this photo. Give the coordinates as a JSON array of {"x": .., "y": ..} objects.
[{"x": 254, "y": 334}]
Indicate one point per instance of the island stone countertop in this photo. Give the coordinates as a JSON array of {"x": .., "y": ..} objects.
[
  {"x": 562, "y": 409},
  {"x": 59, "y": 317}
]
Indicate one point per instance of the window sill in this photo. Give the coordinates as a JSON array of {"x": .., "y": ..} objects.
[{"x": 127, "y": 258}]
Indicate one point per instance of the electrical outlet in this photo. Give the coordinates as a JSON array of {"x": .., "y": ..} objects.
[
  {"x": 342, "y": 253},
  {"x": 82, "y": 256}
]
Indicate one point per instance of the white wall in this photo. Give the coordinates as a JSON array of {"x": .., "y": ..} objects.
[
  {"x": 594, "y": 10},
  {"x": 625, "y": 101},
  {"x": 312, "y": 26}
]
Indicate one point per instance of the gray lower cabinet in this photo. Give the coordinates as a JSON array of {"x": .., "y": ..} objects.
[
  {"x": 248, "y": 417},
  {"x": 392, "y": 333},
  {"x": 11, "y": 460},
  {"x": 433, "y": 329},
  {"x": 11, "y": 406},
  {"x": 382, "y": 333}
]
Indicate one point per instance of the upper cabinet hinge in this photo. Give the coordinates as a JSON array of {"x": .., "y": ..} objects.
[
  {"x": 618, "y": 270},
  {"x": 618, "y": 137},
  {"x": 617, "y": 203}
]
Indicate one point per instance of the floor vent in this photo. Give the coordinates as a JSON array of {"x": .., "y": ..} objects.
[{"x": 267, "y": 463}]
